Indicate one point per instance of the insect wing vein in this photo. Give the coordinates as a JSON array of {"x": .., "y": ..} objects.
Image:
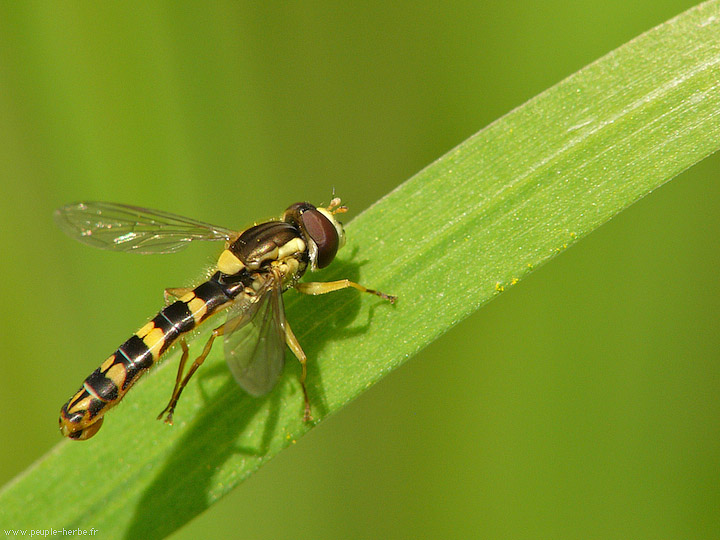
[
  {"x": 121, "y": 227},
  {"x": 255, "y": 345}
]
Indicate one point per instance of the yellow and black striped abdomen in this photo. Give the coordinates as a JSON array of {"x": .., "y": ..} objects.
[{"x": 82, "y": 416}]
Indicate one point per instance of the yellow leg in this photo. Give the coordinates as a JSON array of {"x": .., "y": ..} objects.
[
  {"x": 181, "y": 382},
  {"x": 175, "y": 292},
  {"x": 295, "y": 347},
  {"x": 179, "y": 376},
  {"x": 316, "y": 287}
]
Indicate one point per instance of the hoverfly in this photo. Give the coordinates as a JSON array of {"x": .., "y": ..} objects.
[{"x": 255, "y": 268}]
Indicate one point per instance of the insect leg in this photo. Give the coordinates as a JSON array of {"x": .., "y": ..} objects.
[
  {"x": 317, "y": 287},
  {"x": 175, "y": 292},
  {"x": 295, "y": 347},
  {"x": 180, "y": 384},
  {"x": 178, "y": 378}
]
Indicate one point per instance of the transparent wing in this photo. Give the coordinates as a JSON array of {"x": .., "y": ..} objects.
[
  {"x": 120, "y": 227},
  {"x": 255, "y": 341}
]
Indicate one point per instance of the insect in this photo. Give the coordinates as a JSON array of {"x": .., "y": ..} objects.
[{"x": 255, "y": 268}]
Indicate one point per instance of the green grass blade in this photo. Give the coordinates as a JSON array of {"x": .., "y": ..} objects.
[{"x": 452, "y": 237}]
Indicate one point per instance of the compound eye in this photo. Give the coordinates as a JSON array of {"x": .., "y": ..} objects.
[{"x": 322, "y": 231}]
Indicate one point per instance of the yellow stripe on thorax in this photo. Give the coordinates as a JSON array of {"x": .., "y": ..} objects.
[
  {"x": 296, "y": 245},
  {"x": 228, "y": 263}
]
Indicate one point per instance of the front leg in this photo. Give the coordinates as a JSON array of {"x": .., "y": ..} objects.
[{"x": 318, "y": 287}]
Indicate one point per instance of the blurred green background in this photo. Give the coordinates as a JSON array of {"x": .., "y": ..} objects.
[{"x": 581, "y": 403}]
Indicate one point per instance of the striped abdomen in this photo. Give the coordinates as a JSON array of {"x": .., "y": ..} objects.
[{"x": 82, "y": 416}]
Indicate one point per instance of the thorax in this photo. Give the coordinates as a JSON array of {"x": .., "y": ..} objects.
[{"x": 275, "y": 244}]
